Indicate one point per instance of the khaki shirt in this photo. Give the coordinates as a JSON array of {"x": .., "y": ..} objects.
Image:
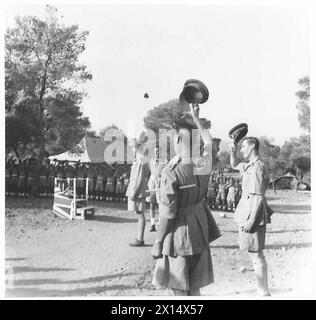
[
  {"x": 193, "y": 224},
  {"x": 154, "y": 181},
  {"x": 255, "y": 180},
  {"x": 140, "y": 173}
]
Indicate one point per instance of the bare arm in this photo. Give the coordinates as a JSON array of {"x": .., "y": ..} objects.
[
  {"x": 207, "y": 140},
  {"x": 205, "y": 134},
  {"x": 233, "y": 156}
]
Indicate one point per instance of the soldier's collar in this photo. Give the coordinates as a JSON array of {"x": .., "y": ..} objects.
[{"x": 250, "y": 163}]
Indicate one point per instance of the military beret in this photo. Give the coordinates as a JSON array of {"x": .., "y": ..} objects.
[
  {"x": 238, "y": 132},
  {"x": 194, "y": 91}
]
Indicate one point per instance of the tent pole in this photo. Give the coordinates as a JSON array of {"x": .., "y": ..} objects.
[{"x": 75, "y": 204}]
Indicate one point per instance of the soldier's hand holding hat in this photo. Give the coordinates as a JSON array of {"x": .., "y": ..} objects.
[
  {"x": 156, "y": 250},
  {"x": 195, "y": 110}
]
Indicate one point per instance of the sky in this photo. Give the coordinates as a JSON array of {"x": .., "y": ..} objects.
[{"x": 250, "y": 56}]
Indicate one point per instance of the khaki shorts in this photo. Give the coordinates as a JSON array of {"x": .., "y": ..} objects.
[
  {"x": 137, "y": 206},
  {"x": 99, "y": 186},
  {"x": 253, "y": 242},
  {"x": 184, "y": 272}
]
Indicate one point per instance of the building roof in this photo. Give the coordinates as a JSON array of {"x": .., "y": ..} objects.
[{"x": 88, "y": 150}]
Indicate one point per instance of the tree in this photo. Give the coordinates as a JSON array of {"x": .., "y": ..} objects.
[
  {"x": 43, "y": 82},
  {"x": 303, "y": 104},
  {"x": 269, "y": 153},
  {"x": 296, "y": 151},
  {"x": 166, "y": 115},
  {"x": 107, "y": 130}
]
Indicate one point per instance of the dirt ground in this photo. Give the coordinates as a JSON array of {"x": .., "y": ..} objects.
[{"x": 50, "y": 257}]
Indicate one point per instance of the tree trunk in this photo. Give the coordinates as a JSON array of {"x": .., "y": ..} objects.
[{"x": 36, "y": 176}]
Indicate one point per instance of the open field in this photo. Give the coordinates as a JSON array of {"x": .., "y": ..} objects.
[{"x": 47, "y": 256}]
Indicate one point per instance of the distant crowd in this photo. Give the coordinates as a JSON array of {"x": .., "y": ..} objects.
[
  {"x": 105, "y": 182},
  {"x": 223, "y": 192}
]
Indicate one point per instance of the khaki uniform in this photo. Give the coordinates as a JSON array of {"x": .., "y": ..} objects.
[
  {"x": 186, "y": 262},
  {"x": 136, "y": 190},
  {"x": 91, "y": 179},
  {"x": 255, "y": 180},
  {"x": 99, "y": 182},
  {"x": 110, "y": 187},
  {"x": 154, "y": 181}
]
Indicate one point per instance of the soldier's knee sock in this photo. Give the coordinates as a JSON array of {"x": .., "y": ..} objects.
[
  {"x": 141, "y": 226},
  {"x": 180, "y": 292},
  {"x": 261, "y": 273},
  {"x": 152, "y": 216},
  {"x": 194, "y": 292}
]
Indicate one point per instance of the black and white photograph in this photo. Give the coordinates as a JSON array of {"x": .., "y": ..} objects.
[{"x": 157, "y": 149}]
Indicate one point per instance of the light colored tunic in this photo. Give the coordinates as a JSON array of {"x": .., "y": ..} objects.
[
  {"x": 136, "y": 190},
  {"x": 186, "y": 262},
  {"x": 154, "y": 181},
  {"x": 255, "y": 180}
]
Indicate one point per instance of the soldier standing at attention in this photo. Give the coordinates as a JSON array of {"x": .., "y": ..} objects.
[
  {"x": 231, "y": 195},
  {"x": 51, "y": 179},
  {"x": 22, "y": 179},
  {"x": 125, "y": 186},
  {"x": 99, "y": 188},
  {"x": 43, "y": 180},
  {"x": 81, "y": 173},
  {"x": 91, "y": 180},
  {"x": 119, "y": 188},
  {"x": 14, "y": 178},
  {"x": 153, "y": 186},
  {"x": 109, "y": 189},
  {"x": 136, "y": 191},
  {"x": 252, "y": 212},
  {"x": 211, "y": 193},
  {"x": 7, "y": 177},
  {"x": 60, "y": 176},
  {"x": 221, "y": 194},
  {"x": 186, "y": 225}
]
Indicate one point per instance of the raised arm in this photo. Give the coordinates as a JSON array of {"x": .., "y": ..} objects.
[
  {"x": 205, "y": 133},
  {"x": 233, "y": 156},
  {"x": 207, "y": 140}
]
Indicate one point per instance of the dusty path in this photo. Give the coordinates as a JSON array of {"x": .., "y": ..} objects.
[{"x": 47, "y": 256}]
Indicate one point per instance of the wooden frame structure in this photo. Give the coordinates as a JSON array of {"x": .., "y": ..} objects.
[{"x": 66, "y": 205}]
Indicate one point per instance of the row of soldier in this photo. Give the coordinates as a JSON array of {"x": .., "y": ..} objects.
[
  {"x": 223, "y": 193},
  {"x": 104, "y": 182}
]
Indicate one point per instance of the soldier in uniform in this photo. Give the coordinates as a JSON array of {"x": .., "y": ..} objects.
[
  {"x": 43, "y": 180},
  {"x": 81, "y": 175},
  {"x": 252, "y": 213},
  {"x": 211, "y": 193},
  {"x": 99, "y": 187},
  {"x": 125, "y": 186},
  {"x": 237, "y": 193},
  {"x": 136, "y": 191},
  {"x": 22, "y": 179},
  {"x": 91, "y": 180},
  {"x": 51, "y": 179},
  {"x": 14, "y": 178},
  {"x": 110, "y": 187},
  {"x": 153, "y": 186},
  {"x": 120, "y": 187},
  {"x": 186, "y": 225},
  {"x": 221, "y": 194},
  {"x": 231, "y": 195},
  {"x": 60, "y": 171},
  {"x": 7, "y": 177},
  {"x": 30, "y": 176}
]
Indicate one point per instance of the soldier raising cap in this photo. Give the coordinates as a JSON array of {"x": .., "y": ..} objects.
[
  {"x": 186, "y": 225},
  {"x": 136, "y": 191}
]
